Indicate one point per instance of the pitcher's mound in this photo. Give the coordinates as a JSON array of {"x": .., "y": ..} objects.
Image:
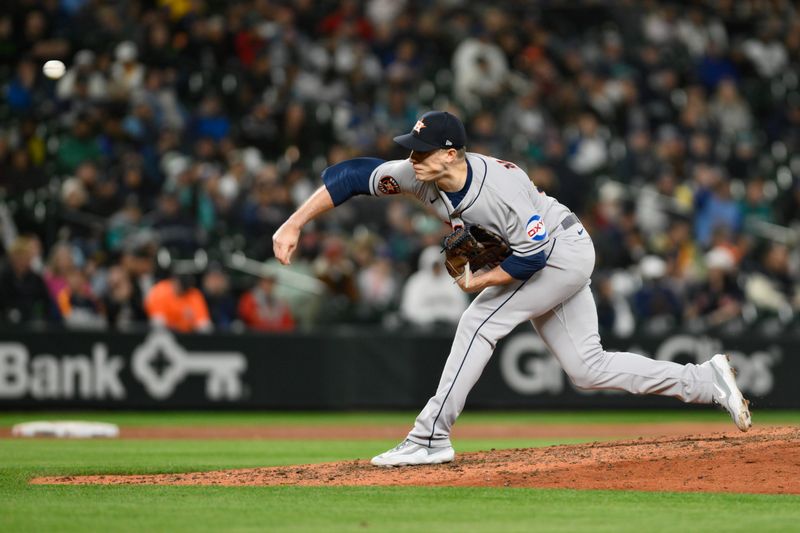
[{"x": 763, "y": 461}]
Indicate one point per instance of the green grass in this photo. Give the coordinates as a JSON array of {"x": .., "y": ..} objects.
[
  {"x": 390, "y": 509},
  {"x": 26, "y": 507},
  {"x": 134, "y": 418}
]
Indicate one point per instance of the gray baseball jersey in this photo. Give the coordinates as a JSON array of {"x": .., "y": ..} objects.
[
  {"x": 500, "y": 198},
  {"x": 557, "y": 299}
]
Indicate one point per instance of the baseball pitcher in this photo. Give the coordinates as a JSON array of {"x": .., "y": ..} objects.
[{"x": 528, "y": 256}]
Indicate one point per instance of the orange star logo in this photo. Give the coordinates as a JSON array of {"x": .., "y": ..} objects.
[{"x": 418, "y": 126}]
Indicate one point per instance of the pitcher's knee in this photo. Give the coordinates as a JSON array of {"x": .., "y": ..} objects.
[
  {"x": 584, "y": 379},
  {"x": 586, "y": 375}
]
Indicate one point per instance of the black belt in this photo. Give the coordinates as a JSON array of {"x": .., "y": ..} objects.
[{"x": 569, "y": 221}]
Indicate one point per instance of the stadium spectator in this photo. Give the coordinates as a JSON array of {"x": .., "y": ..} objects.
[
  {"x": 175, "y": 303},
  {"x": 401, "y": 238},
  {"x": 174, "y": 225},
  {"x": 480, "y": 69},
  {"x": 766, "y": 51},
  {"x": 772, "y": 287},
  {"x": 60, "y": 263},
  {"x": 755, "y": 207},
  {"x": 714, "y": 206},
  {"x": 123, "y": 304},
  {"x": 349, "y": 19},
  {"x": 25, "y": 171},
  {"x": 335, "y": 269},
  {"x": 21, "y": 93},
  {"x": 221, "y": 304},
  {"x": 483, "y": 133},
  {"x": 588, "y": 152},
  {"x": 266, "y": 204},
  {"x": 680, "y": 250},
  {"x": 715, "y": 66},
  {"x": 568, "y": 184},
  {"x": 79, "y": 307},
  {"x": 261, "y": 310},
  {"x": 79, "y": 146},
  {"x": 24, "y": 297},
  {"x": 210, "y": 122},
  {"x": 260, "y": 128},
  {"x": 138, "y": 262},
  {"x": 658, "y": 201},
  {"x": 730, "y": 111},
  {"x": 696, "y": 31},
  {"x": 718, "y": 300},
  {"x": 428, "y": 299},
  {"x": 127, "y": 74},
  {"x": 525, "y": 118},
  {"x": 656, "y": 303},
  {"x": 659, "y": 25},
  {"x": 377, "y": 286},
  {"x": 614, "y": 313},
  {"x": 83, "y": 71}
]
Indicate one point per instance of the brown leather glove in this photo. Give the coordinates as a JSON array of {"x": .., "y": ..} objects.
[{"x": 474, "y": 245}]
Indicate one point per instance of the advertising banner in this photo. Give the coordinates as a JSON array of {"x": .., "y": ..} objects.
[{"x": 339, "y": 369}]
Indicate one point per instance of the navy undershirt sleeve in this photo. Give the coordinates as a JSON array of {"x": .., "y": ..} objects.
[
  {"x": 522, "y": 268},
  {"x": 349, "y": 178},
  {"x": 456, "y": 197}
]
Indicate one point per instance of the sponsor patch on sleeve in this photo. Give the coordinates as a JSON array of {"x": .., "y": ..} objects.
[
  {"x": 535, "y": 228},
  {"x": 388, "y": 185}
]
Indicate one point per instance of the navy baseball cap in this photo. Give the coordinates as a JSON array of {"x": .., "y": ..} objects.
[{"x": 434, "y": 130}]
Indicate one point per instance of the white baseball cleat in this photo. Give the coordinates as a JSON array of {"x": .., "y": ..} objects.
[
  {"x": 727, "y": 394},
  {"x": 409, "y": 453}
]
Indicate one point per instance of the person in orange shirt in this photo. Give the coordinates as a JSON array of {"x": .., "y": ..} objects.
[
  {"x": 261, "y": 310},
  {"x": 177, "y": 304}
]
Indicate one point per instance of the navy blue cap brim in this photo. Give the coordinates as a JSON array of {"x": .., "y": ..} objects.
[{"x": 414, "y": 143}]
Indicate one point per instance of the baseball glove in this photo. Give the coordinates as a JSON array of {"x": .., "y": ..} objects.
[{"x": 474, "y": 245}]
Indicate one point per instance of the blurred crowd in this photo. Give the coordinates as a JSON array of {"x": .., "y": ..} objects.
[{"x": 144, "y": 185}]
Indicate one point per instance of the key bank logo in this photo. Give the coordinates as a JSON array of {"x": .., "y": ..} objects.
[
  {"x": 535, "y": 228},
  {"x": 160, "y": 364},
  {"x": 222, "y": 370}
]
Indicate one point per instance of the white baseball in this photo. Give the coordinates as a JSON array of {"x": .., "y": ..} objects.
[{"x": 54, "y": 69}]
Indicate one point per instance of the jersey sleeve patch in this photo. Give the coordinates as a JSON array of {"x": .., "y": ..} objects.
[
  {"x": 535, "y": 229},
  {"x": 388, "y": 185}
]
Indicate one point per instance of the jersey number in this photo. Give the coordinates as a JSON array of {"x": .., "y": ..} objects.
[{"x": 506, "y": 164}]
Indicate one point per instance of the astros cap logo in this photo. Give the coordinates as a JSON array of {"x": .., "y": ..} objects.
[{"x": 434, "y": 130}]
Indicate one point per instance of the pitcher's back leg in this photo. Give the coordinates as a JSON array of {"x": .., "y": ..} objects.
[{"x": 570, "y": 331}]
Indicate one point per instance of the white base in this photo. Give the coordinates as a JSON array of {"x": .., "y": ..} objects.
[{"x": 66, "y": 429}]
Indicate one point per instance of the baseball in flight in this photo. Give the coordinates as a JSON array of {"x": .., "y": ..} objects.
[{"x": 54, "y": 69}]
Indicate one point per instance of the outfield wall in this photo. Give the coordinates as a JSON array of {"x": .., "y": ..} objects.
[{"x": 339, "y": 369}]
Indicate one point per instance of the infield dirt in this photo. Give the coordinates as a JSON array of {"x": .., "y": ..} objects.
[{"x": 763, "y": 461}]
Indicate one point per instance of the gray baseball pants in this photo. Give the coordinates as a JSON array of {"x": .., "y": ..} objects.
[{"x": 559, "y": 303}]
